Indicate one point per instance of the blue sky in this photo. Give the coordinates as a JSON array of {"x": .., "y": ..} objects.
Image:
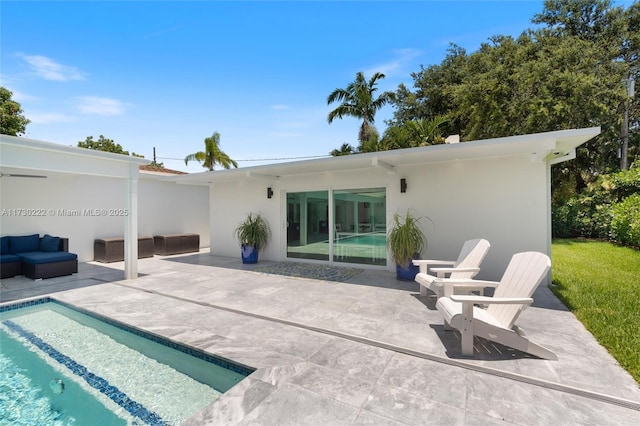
[{"x": 168, "y": 74}]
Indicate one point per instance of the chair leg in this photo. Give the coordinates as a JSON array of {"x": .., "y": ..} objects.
[{"x": 467, "y": 329}]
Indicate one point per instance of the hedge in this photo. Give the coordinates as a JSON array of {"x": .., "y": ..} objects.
[{"x": 607, "y": 209}]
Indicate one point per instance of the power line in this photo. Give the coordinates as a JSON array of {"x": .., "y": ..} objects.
[{"x": 259, "y": 159}]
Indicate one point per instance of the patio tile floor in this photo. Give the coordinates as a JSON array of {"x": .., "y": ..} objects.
[{"x": 370, "y": 350}]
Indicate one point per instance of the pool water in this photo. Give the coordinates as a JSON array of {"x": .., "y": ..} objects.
[
  {"x": 365, "y": 239},
  {"x": 60, "y": 366}
]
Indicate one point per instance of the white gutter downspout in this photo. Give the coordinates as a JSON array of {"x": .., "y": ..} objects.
[{"x": 131, "y": 225}]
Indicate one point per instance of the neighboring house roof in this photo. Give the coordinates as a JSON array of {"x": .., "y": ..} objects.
[
  {"x": 160, "y": 170},
  {"x": 550, "y": 147}
]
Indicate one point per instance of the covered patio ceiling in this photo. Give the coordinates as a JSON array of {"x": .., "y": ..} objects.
[
  {"x": 29, "y": 158},
  {"x": 552, "y": 147}
]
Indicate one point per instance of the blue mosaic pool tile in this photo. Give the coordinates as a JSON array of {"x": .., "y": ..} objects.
[
  {"x": 112, "y": 392},
  {"x": 25, "y": 304},
  {"x": 229, "y": 365}
]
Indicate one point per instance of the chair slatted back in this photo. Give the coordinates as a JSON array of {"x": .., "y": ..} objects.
[
  {"x": 471, "y": 256},
  {"x": 521, "y": 278}
]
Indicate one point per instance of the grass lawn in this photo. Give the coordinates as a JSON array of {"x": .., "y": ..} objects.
[{"x": 600, "y": 283}]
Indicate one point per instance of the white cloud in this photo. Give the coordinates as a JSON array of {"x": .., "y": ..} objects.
[
  {"x": 49, "y": 69},
  {"x": 49, "y": 117},
  {"x": 23, "y": 97},
  {"x": 279, "y": 107},
  {"x": 397, "y": 65},
  {"x": 100, "y": 106}
]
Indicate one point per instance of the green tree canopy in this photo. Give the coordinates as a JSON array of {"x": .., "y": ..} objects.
[
  {"x": 212, "y": 154},
  {"x": 12, "y": 120},
  {"x": 106, "y": 145},
  {"x": 413, "y": 133},
  {"x": 568, "y": 73}
]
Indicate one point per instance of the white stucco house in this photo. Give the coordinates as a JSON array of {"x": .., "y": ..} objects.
[
  {"x": 336, "y": 210},
  {"x": 330, "y": 210}
]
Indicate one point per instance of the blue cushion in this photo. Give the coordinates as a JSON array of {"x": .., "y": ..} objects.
[
  {"x": 4, "y": 245},
  {"x": 9, "y": 258},
  {"x": 24, "y": 244},
  {"x": 49, "y": 243},
  {"x": 39, "y": 257}
]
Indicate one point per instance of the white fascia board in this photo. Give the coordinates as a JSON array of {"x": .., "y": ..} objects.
[
  {"x": 31, "y": 154},
  {"x": 538, "y": 146}
]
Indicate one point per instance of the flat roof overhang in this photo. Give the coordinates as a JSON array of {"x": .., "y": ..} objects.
[
  {"x": 552, "y": 147},
  {"x": 24, "y": 158},
  {"x": 29, "y": 156}
]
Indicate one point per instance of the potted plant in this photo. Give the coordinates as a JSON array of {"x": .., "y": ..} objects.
[
  {"x": 406, "y": 241},
  {"x": 252, "y": 234}
]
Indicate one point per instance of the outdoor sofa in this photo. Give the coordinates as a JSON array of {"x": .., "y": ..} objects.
[{"x": 36, "y": 257}]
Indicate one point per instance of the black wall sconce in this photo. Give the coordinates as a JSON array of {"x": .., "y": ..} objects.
[
  {"x": 403, "y": 185},
  {"x": 269, "y": 192}
]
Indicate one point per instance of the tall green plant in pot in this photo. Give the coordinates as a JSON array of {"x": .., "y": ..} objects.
[
  {"x": 406, "y": 241},
  {"x": 253, "y": 235}
]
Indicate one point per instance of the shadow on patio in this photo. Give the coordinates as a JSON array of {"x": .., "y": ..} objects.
[{"x": 370, "y": 349}]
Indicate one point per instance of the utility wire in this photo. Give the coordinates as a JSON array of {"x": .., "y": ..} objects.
[{"x": 259, "y": 159}]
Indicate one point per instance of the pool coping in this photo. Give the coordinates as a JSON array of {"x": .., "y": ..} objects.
[{"x": 277, "y": 388}]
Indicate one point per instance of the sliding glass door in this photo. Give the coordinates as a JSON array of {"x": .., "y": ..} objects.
[
  {"x": 355, "y": 232},
  {"x": 360, "y": 223},
  {"x": 308, "y": 225}
]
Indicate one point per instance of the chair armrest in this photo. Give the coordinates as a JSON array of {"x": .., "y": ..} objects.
[
  {"x": 450, "y": 270},
  {"x": 418, "y": 262},
  {"x": 491, "y": 300},
  {"x": 468, "y": 282},
  {"x": 425, "y": 263}
]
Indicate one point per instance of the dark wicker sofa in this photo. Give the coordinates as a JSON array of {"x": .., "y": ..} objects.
[{"x": 36, "y": 257}]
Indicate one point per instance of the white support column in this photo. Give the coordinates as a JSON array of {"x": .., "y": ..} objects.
[
  {"x": 131, "y": 226},
  {"x": 212, "y": 218}
]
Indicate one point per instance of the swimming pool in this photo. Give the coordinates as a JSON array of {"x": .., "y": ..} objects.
[
  {"x": 60, "y": 366},
  {"x": 369, "y": 248},
  {"x": 377, "y": 240}
]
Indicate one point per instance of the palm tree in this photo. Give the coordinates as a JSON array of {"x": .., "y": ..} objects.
[
  {"x": 212, "y": 154},
  {"x": 345, "y": 149},
  {"x": 358, "y": 101},
  {"x": 425, "y": 132}
]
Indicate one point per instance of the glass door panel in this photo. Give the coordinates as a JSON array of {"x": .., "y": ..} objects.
[
  {"x": 308, "y": 225},
  {"x": 360, "y": 226}
]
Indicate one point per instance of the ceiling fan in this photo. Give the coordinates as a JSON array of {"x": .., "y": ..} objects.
[{"x": 22, "y": 175}]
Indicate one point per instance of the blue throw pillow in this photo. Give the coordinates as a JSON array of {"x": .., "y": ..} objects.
[
  {"x": 49, "y": 243},
  {"x": 4, "y": 246},
  {"x": 24, "y": 244}
]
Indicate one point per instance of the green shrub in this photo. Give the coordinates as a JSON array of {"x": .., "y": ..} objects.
[
  {"x": 615, "y": 187},
  {"x": 591, "y": 213},
  {"x": 625, "y": 222},
  {"x": 563, "y": 220}
]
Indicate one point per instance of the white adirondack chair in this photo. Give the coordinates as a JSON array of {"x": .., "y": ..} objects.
[
  {"x": 496, "y": 323},
  {"x": 463, "y": 269}
]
